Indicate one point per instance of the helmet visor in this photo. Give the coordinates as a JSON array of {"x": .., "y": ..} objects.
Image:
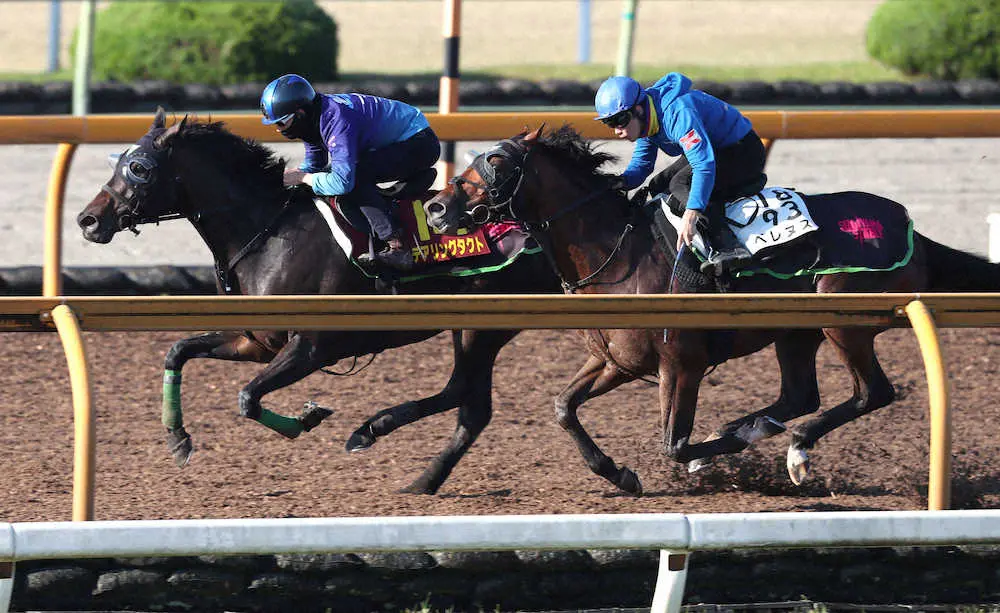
[{"x": 618, "y": 120}]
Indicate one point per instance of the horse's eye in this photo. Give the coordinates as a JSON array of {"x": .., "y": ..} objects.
[{"x": 139, "y": 171}]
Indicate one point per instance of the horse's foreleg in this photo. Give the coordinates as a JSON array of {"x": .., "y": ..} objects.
[
  {"x": 296, "y": 360},
  {"x": 872, "y": 390},
  {"x": 679, "y": 400},
  {"x": 799, "y": 394},
  {"x": 388, "y": 420},
  {"x": 472, "y": 382},
  {"x": 596, "y": 377},
  {"x": 216, "y": 345}
]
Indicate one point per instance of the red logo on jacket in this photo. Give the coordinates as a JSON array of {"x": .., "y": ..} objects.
[{"x": 689, "y": 140}]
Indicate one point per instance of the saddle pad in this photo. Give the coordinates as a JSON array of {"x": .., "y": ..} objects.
[
  {"x": 487, "y": 249},
  {"x": 773, "y": 217},
  {"x": 854, "y": 234}
]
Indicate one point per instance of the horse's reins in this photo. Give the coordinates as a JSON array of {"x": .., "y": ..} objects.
[
  {"x": 537, "y": 230},
  {"x": 223, "y": 273}
]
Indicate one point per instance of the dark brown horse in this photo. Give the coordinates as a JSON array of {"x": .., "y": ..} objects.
[
  {"x": 267, "y": 239},
  {"x": 598, "y": 243}
]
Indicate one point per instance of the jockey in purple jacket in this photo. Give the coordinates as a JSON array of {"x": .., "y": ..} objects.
[
  {"x": 721, "y": 157},
  {"x": 352, "y": 143}
]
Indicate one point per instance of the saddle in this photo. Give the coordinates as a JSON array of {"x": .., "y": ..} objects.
[{"x": 488, "y": 248}]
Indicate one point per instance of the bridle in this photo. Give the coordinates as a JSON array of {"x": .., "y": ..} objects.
[
  {"x": 498, "y": 192},
  {"x": 140, "y": 167},
  {"x": 500, "y": 196}
]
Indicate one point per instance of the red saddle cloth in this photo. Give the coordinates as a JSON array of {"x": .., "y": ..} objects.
[{"x": 487, "y": 247}]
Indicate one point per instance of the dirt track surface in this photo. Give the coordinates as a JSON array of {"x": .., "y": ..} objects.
[{"x": 523, "y": 463}]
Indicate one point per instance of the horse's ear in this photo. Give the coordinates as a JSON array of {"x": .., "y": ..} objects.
[
  {"x": 532, "y": 136},
  {"x": 163, "y": 140},
  {"x": 159, "y": 119}
]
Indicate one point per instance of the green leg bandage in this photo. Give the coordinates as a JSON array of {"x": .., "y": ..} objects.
[
  {"x": 286, "y": 426},
  {"x": 172, "y": 417}
]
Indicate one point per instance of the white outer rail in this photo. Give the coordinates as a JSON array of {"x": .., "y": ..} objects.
[{"x": 674, "y": 534}]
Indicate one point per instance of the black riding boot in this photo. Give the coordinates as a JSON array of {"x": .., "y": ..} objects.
[
  {"x": 726, "y": 254},
  {"x": 395, "y": 256}
]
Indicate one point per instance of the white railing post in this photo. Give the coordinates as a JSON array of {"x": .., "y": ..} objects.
[
  {"x": 669, "y": 593},
  {"x": 6, "y": 585}
]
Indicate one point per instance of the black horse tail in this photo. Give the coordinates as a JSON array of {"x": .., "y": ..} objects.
[{"x": 951, "y": 270}]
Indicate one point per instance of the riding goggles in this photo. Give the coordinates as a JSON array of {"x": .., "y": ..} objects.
[
  {"x": 618, "y": 120},
  {"x": 284, "y": 122}
]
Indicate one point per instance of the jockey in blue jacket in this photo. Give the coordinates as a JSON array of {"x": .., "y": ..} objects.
[
  {"x": 721, "y": 157},
  {"x": 352, "y": 143}
]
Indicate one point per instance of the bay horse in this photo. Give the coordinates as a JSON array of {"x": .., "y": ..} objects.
[
  {"x": 267, "y": 239},
  {"x": 597, "y": 243}
]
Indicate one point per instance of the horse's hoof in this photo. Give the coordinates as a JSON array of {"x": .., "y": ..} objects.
[
  {"x": 629, "y": 482},
  {"x": 312, "y": 415},
  {"x": 696, "y": 465},
  {"x": 361, "y": 439},
  {"x": 798, "y": 465},
  {"x": 179, "y": 443}
]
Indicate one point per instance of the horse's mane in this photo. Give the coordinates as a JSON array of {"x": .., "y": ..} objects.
[
  {"x": 566, "y": 143},
  {"x": 254, "y": 165}
]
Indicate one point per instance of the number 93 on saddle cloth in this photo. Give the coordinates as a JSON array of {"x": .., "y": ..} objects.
[{"x": 762, "y": 223}]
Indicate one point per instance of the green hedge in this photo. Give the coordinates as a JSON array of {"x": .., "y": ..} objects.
[
  {"x": 944, "y": 39},
  {"x": 214, "y": 42}
]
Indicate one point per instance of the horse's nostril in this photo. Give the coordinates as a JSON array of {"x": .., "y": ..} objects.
[
  {"x": 435, "y": 208},
  {"x": 87, "y": 221}
]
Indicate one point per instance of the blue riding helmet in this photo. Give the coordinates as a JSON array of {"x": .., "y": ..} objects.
[
  {"x": 283, "y": 96},
  {"x": 617, "y": 94}
]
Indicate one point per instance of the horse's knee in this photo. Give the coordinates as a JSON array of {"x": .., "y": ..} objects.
[{"x": 249, "y": 406}]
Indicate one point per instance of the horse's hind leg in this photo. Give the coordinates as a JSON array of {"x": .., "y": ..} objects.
[
  {"x": 799, "y": 393},
  {"x": 596, "y": 377},
  {"x": 216, "y": 345},
  {"x": 471, "y": 383},
  {"x": 393, "y": 418},
  {"x": 872, "y": 390}
]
